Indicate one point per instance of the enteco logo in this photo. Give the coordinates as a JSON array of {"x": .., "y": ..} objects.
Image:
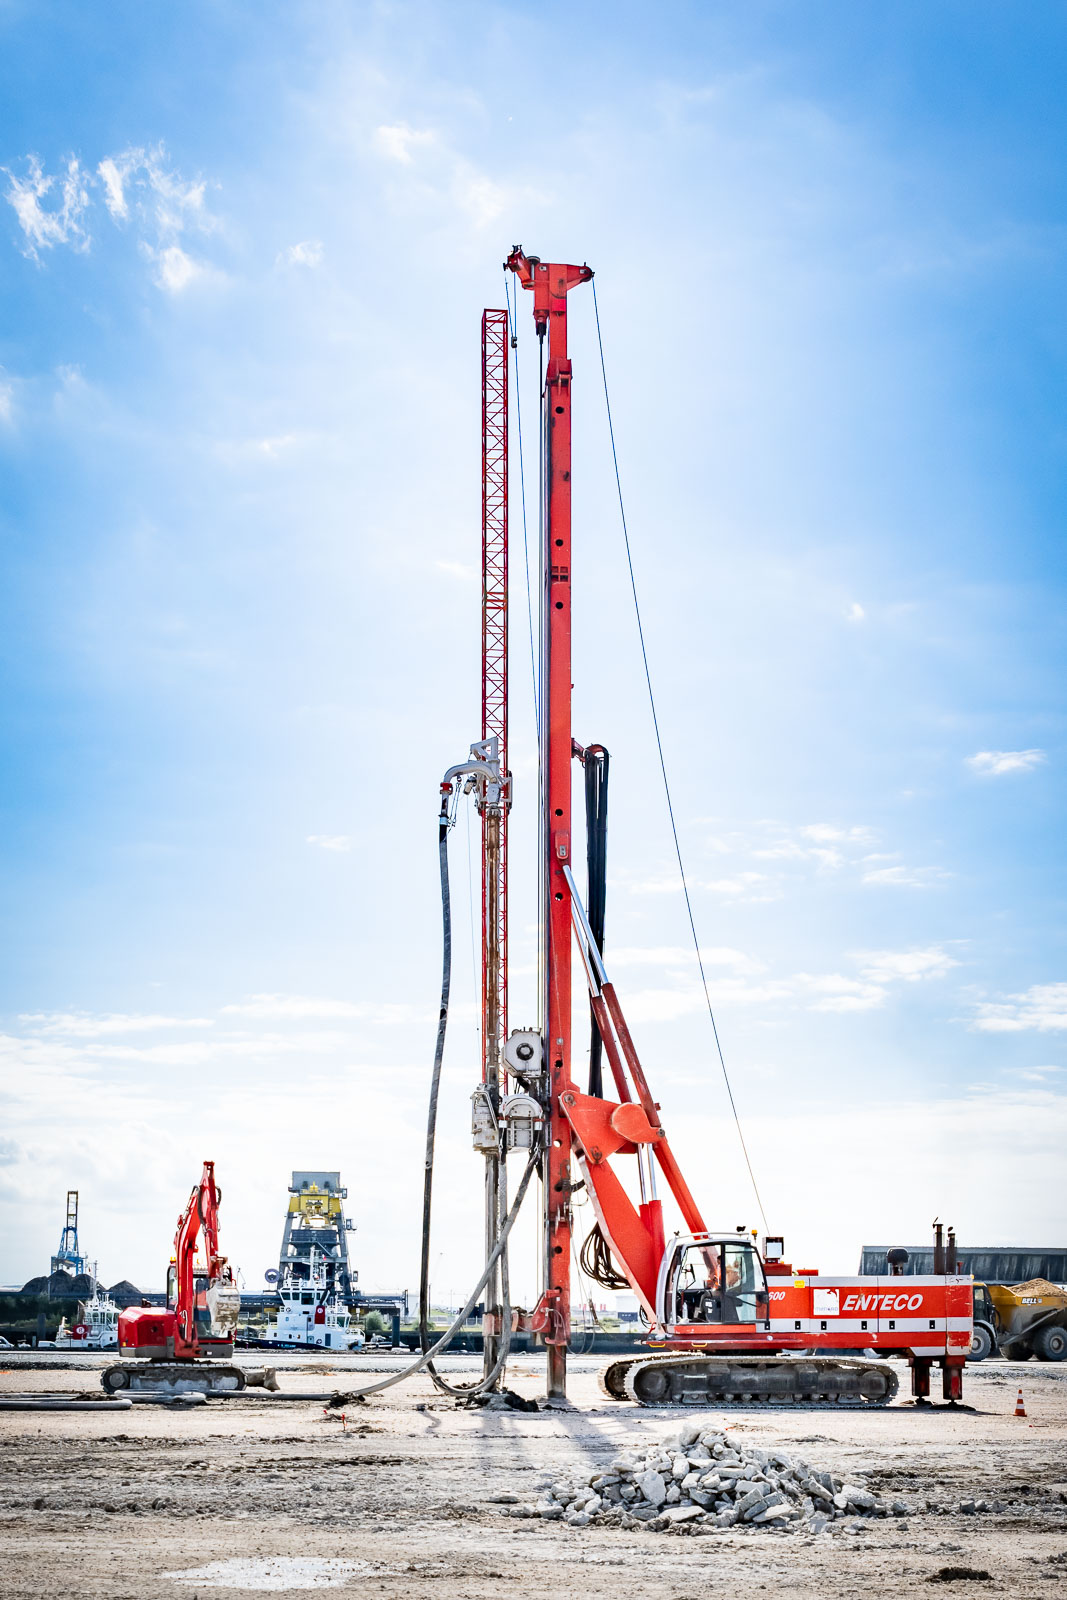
[{"x": 883, "y": 1302}]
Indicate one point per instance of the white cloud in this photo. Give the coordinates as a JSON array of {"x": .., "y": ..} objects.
[
  {"x": 7, "y": 402},
  {"x": 139, "y": 187},
  {"x": 439, "y": 176},
  {"x": 340, "y": 842},
  {"x": 830, "y": 833},
  {"x": 175, "y": 270},
  {"x": 1041, "y": 1008},
  {"x": 397, "y": 141},
  {"x": 838, "y": 992},
  {"x": 113, "y": 174},
  {"x": 833, "y": 992},
  {"x": 855, "y": 612},
  {"x": 308, "y": 253},
  {"x": 294, "y": 1007},
  {"x": 743, "y": 885},
  {"x": 828, "y": 845},
  {"x": 682, "y": 956},
  {"x": 909, "y": 966},
  {"x": 86, "y": 1025},
  {"x": 43, "y": 229},
  {"x": 995, "y": 763},
  {"x": 903, "y": 877},
  {"x": 481, "y": 198},
  {"x": 663, "y": 883}
]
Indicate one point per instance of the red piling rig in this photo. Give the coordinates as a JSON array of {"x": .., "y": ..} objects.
[{"x": 550, "y": 284}]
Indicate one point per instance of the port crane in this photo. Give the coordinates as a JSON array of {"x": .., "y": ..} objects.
[{"x": 730, "y": 1321}]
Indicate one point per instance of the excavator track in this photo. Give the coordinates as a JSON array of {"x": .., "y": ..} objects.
[
  {"x": 172, "y": 1377},
  {"x": 809, "y": 1383},
  {"x": 612, "y": 1379}
]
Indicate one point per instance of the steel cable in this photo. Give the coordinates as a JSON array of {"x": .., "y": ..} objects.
[{"x": 663, "y": 766}]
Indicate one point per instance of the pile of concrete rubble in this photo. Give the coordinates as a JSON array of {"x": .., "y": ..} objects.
[{"x": 699, "y": 1481}]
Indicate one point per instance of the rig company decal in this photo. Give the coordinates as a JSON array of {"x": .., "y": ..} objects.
[
  {"x": 826, "y": 1303},
  {"x": 883, "y": 1302}
]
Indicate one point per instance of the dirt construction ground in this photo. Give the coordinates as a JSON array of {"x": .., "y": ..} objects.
[{"x": 254, "y": 1494}]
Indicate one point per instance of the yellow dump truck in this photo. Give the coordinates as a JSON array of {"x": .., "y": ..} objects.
[{"x": 1024, "y": 1320}]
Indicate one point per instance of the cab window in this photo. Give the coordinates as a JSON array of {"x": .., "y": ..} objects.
[{"x": 719, "y": 1283}]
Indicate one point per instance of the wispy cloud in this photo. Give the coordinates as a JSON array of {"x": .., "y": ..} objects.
[
  {"x": 341, "y": 842},
  {"x": 683, "y": 956},
  {"x": 901, "y": 877},
  {"x": 998, "y": 763},
  {"x": 294, "y": 1007},
  {"x": 45, "y": 226},
  {"x": 735, "y": 979},
  {"x": 908, "y": 966},
  {"x": 1044, "y": 1074},
  {"x": 750, "y": 886},
  {"x": 308, "y": 253},
  {"x": 855, "y": 612},
  {"x": 437, "y": 173},
  {"x": 321, "y": 1008},
  {"x": 138, "y": 187},
  {"x": 398, "y": 142},
  {"x": 1042, "y": 1009},
  {"x": 87, "y": 1025},
  {"x": 175, "y": 270}
]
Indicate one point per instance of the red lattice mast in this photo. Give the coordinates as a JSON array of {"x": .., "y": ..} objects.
[{"x": 495, "y": 686}]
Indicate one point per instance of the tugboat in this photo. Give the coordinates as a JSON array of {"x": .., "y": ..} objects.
[
  {"x": 312, "y": 1313},
  {"x": 97, "y": 1327}
]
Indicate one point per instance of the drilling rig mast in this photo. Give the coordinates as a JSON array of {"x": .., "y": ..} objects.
[{"x": 494, "y": 807}]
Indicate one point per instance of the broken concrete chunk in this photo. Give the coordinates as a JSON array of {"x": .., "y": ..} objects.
[
  {"x": 773, "y": 1514},
  {"x": 653, "y": 1488},
  {"x": 678, "y": 1514}
]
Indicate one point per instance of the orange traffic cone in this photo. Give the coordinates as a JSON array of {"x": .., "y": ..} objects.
[{"x": 1020, "y": 1409}]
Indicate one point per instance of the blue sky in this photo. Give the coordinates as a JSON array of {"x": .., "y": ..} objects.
[{"x": 243, "y": 256}]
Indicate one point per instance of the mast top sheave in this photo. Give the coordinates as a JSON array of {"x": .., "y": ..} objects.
[{"x": 550, "y": 282}]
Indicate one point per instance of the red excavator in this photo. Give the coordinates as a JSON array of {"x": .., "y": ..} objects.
[{"x": 180, "y": 1340}]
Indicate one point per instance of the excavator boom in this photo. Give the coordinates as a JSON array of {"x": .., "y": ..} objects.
[{"x": 200, "y": 1318}]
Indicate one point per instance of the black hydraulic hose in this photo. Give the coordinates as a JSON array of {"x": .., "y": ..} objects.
[
  {"x": 495, "y": 1254},
  {"x": 435, "y": 1083},
  {"x": 596, "y": 835},
  {"x": 488, "y": 1381}
]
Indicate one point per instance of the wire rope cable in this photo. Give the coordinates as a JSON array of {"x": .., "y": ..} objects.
[{"x": 663, "y": 766}]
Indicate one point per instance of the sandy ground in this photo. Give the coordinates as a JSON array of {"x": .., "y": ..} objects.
[{"x": 132, "y": 1504}]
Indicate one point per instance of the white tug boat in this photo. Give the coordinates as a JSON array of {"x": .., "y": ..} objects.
[
  {"x": 312, "y": 1313},
  {"x": 97, "y": 1327}
]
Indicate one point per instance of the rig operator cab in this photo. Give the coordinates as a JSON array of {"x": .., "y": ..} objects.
[{"x": 715, "y": 1280}]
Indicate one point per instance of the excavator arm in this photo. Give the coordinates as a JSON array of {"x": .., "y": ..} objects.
[{"x": 201, "y": 1213}]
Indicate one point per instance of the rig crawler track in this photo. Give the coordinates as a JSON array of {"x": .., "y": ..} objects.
[
  {"x": 177, "y": 1377},
  {"x": 805, "y": 1384}
]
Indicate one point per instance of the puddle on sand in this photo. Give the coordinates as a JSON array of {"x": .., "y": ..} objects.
[{"x": 279, "y": 1573}]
